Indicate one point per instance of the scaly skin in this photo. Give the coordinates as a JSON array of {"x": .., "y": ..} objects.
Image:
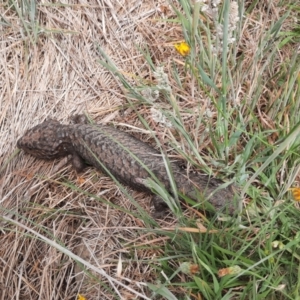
[{"x": 128, "y": 159}]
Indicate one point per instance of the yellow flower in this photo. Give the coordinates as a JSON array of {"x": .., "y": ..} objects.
[
  {"x": 296, "y": 193},
  {"x": 80, "y": 297},
  {"x": 182, "y": 48}
]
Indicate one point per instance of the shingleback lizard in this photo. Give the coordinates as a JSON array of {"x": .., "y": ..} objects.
[{"x": 128, "y": 159}]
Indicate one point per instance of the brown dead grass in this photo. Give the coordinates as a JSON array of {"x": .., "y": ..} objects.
[{"x": 58, "y": 75}]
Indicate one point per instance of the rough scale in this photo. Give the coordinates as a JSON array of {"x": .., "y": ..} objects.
[{"x": 128, "y": 159}]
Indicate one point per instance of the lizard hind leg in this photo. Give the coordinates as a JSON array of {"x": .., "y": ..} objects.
[{"x": 161, "y": 208}]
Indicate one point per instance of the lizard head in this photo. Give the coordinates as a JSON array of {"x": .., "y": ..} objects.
[{"x": 46, "y": 141}]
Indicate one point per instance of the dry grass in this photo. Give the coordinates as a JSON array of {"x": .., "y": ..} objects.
[
  {"x": 49, "y": 67},
  {"x": 56, "y": 74}
]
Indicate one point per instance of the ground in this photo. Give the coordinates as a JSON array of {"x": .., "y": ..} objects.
[{"x": 224, "y": 104}]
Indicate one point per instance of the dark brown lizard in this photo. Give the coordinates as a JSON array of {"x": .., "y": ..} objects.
[{"x": 128, "y": 159}]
